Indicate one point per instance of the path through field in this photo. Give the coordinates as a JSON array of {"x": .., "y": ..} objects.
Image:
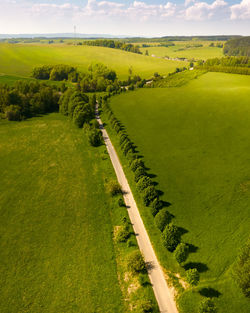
[{"x": 161, "y": 290}]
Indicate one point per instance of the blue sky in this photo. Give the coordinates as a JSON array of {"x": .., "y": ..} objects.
[{"x": 126, "y": 17}]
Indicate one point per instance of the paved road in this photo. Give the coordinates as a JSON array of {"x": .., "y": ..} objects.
[{"x": 161, "y": 290}]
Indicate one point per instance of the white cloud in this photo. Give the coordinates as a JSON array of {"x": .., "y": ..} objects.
[
  {"x": 241, "y": 10},
  {"x": 202, "y": 10}
]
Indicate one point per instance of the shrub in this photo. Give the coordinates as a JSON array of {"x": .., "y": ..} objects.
[
  {"x": 145, "y": 306},
  {"x": 135, "y": 262},
  {"x": 135, "y": 164},
  {"x": 13, "y": 113},
  {"x": 121, "y": 202},
  {"x": 193, "y": 276},
  {"x": 122, "y": 234},
  {"x": 139, "y": 173},
  {"x": 143, "y": 279},
  {"x": 181, "y": 252},
  {"x": 171, "y": 237},
  {"x": 114, "y": 188},
  {"x": 162, "y": 218},
  {"x": 156, "y": 206},
  {"x": 143, "y": 183},
  {"x": 95, "y": 137},
  {"x": 241, "y": 270},
  {"x": 207, "y": 306},
  {"x": 149, "y": 194},
  {"x": 130, "y": 243},
  {"x": 127, "y": 147}
]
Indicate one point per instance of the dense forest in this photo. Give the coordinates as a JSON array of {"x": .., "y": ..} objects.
[
  {"x": 237, "y": 47},
  {"x": 113, "y": 44},
  {"x": 27, "y": 99}
]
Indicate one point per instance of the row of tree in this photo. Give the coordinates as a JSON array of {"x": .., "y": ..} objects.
[
  {"x": 171, "y": 234},
  {"x": 237, "y": 65},
  {"x": 27, "y": 99},
  {"x": 115, "y": 44}
]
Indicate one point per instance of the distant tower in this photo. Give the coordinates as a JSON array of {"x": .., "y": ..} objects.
[{"x": 75, "y": 33}]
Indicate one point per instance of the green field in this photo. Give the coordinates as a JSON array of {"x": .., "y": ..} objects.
[
  {"x": 57, "y": 252},
  {"x": 195, "y": 139},
  {"x": 19, "y": 59},
  {"x": 199, "y": 53}
]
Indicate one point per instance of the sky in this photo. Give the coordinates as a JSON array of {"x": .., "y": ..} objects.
[{"x": 126, "y": 17}]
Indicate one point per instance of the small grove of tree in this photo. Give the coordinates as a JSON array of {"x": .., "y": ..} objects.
[
  {"x": 55, "y": 72},
  {"x": 193, "y": 276},
  {"x": 237, "y": 47},
  {"x": 171, "y": 237},
  {"x": 162, "y": 219},
  {"x": 241, "y": 270},
  {"x": 27, "y": 99},
  {"x": 135, "y": 262},
  {"x": 181, "y": 252},
  {"x": 93, "y": 133},
  {"x": 207, "y": 306},
  {"x": 115, "y": 44}
]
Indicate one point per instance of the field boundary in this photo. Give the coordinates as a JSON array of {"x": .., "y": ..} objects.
[{"x": 162, "y": 291}]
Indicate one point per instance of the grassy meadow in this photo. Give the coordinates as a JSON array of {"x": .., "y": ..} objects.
[
  {"x": 195, "y": 140},
  {"x": 181, "y": 51},
  {"x": 57, "y": 252},
  {"x": 20, "y": 59}
]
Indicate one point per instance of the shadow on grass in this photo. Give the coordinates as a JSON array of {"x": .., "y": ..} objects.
[
  {"x": 201, "y": 267},
  {"x": 209, "y": 292}
]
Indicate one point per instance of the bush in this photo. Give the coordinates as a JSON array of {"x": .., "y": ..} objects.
[
  {"x": 143, "y": 279},
  {"x": 135, "y": 164},
  {"x": 127, "y": 147},
  {"x": 241, "y": 270},
  {"x": 13, "y": 113},
  {"x": 193, "y": 276},
  {"x": 122, "y": 234},
  {"x": 121, "y": 202},
  {"x": 130, "y": 243},
  {"x": 144, "y": 182},
  {"x": 171, "y": 237},
  {"x": 149, "y": 194},
  {"x": 181, "y": 252},
  {"x": 207, "y": 306},
  {"x": 162, "y": 218},
  {"x": 114, "y": 188},
  {"x": 135, "y": 262},
  {"x": 156, "y": 206},
  {"x": 139, "y": 173},
  {"x": 95, "y": 137},
  {"x": 145, "y": 306}
]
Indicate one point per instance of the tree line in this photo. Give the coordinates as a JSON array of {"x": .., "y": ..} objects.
[
  {"x": 236, "y": 65},
  {"x": 114, "y": 44}
]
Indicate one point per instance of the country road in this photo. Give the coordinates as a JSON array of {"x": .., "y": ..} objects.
[{"x": 161, "y": 290}]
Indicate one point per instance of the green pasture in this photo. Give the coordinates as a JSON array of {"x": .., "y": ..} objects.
[
  {"x": 56, "y": 247},
  {"x": 199, "y": 53},
  {"x": 19, "y": 59},
  {"x": 195, "y": 140}
]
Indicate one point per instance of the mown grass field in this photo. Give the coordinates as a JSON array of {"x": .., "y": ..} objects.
[
  {"x": 19, "y": 59},
  {"x": 195, "y": 139},
  {"x": 57, "y": 252},
  {"x": 199, "y": 53}
]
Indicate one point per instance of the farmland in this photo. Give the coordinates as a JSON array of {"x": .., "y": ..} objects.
[
  {"x": 195, "y": 140},
  {"x": 20, "y": 59},
  {"x": 187, "y": 50},
  {"x": 57, "y": 253}
]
